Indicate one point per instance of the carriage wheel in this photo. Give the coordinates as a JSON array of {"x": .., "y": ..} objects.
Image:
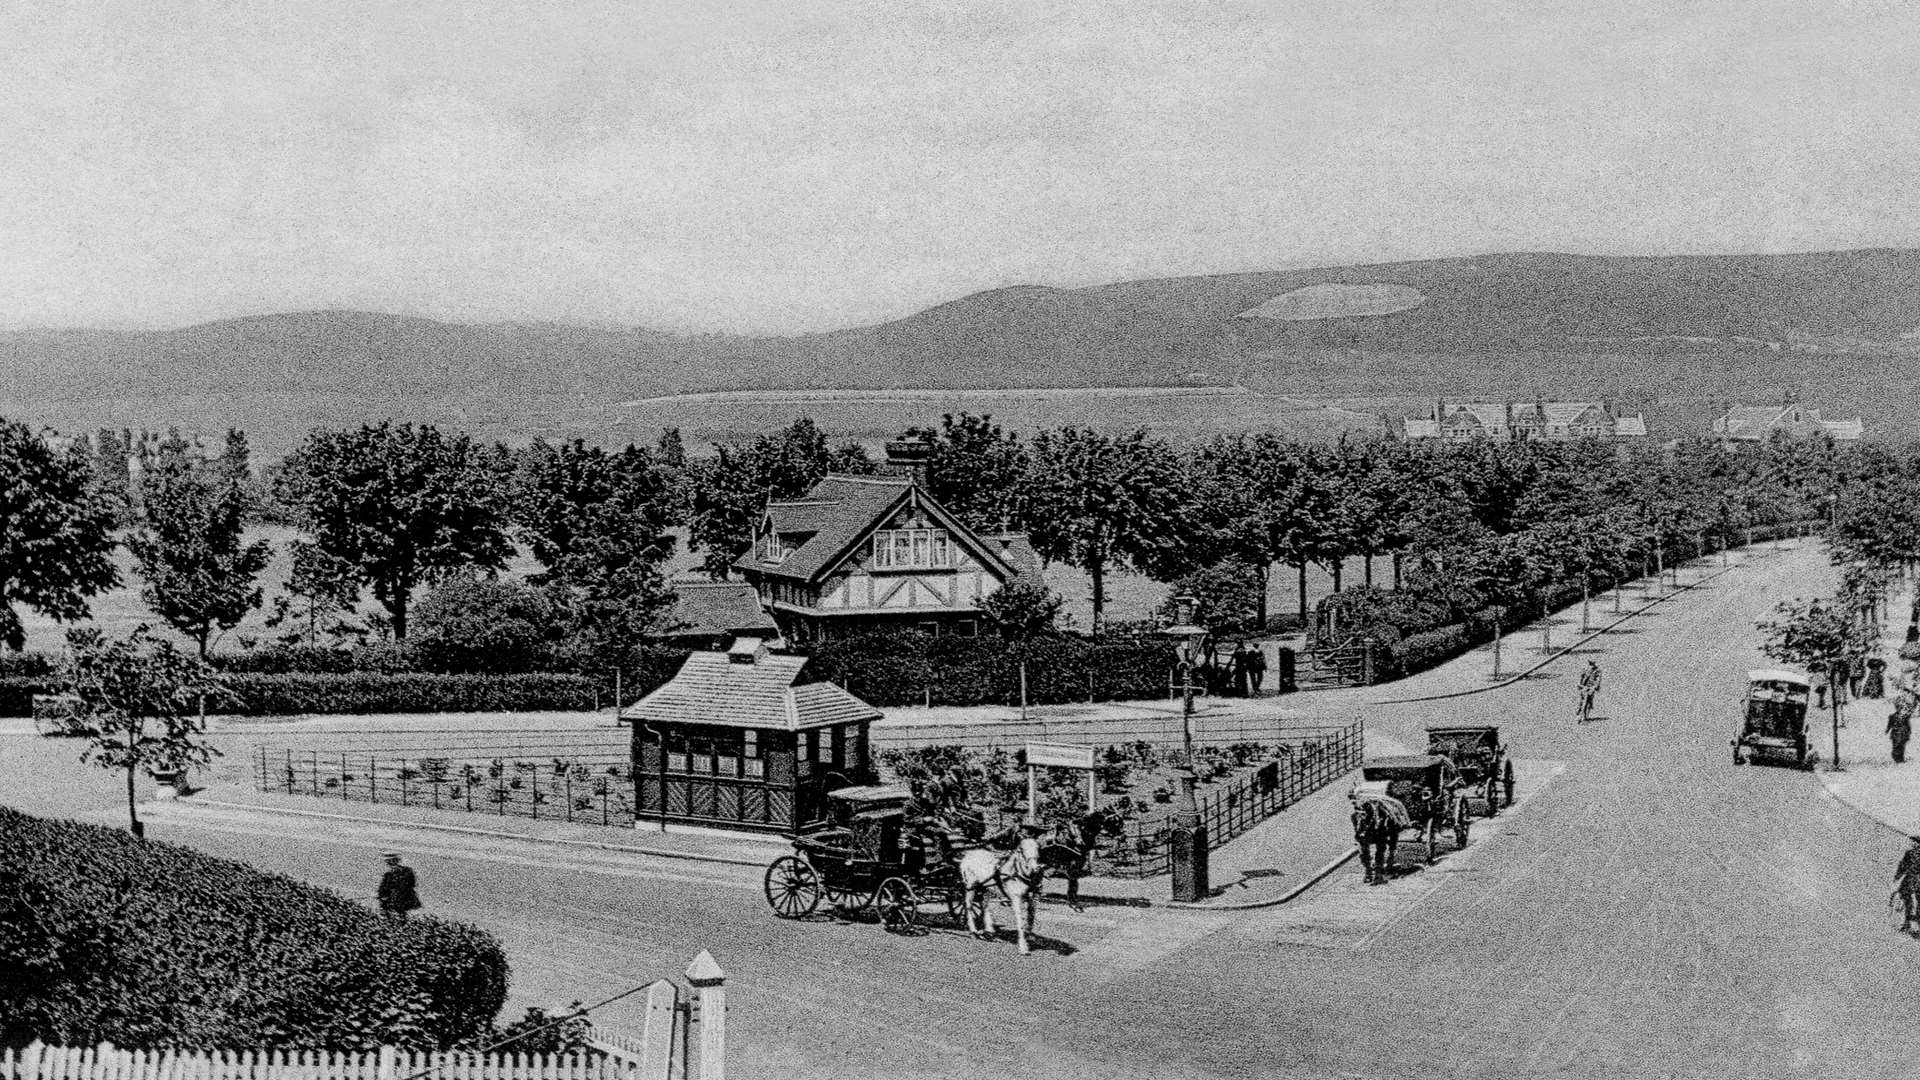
[
  {"x": 899, "y": 908},
  {"x": 1509, "y": 781},
  {"x": 1462, "y": 823},
  {"x": 1493, "y": 794},
  {"x": 1432, "y": 836},
  {"x": 793, "y": 889},
  {"x": 957, "y": 904}
]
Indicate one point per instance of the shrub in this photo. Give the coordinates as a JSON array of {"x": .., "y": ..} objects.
[
  {"x": 286, "y": 660},
  {"x": 888, "y": 668},
  {"x": 28, "y": 665},
  {"x": 109, "y": 938},
  {"x": 1421, "y": 651}
]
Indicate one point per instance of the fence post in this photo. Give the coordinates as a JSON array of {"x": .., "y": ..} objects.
[
  {"x": 710, "y": 993},
  {"x": 373, "y": 786},
  {"x": 385, "y": 1070},
  {"x": 315, "y": 762},
  {"x": 403, "y": 781},
  {"x": 343, "y": 777},
  {"x": 569, "y": 794},
  {"x": 289, "y": 770},
  {"x": 533, "y": 798}
]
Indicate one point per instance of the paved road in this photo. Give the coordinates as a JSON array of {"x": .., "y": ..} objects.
[{"x": 1650, "y": 911}]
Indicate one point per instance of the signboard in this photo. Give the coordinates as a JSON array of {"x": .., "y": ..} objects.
[{"x": 1059, "y": 755}]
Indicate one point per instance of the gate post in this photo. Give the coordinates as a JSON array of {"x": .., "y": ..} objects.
[{"x": 710, "y": 996}]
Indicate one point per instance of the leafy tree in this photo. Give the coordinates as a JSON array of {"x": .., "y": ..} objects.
[
  {"x": 977, "y": 471},
  {"x": 1225, "y": 597},
  {"x": 199, "y": 575},
  {"x": 599, "y": 523},
  {"x": 1021, "y": 612},
  {"x": 320, "y": 592},
  {"x": 1814, "y": 632},
  {"x": 1096, "y": 501},
  {"x": 236, "y": 459},
  {"x": 56, "y": 539},
  {"x": 139, "y": 699},
  {"x": 398, "y": 503}
]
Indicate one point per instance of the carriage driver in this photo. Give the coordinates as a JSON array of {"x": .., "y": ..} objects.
[{"x": 1906, "y": 885}]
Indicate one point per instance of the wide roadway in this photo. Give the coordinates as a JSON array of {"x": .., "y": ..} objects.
[{"x": 1651, "y": 911}]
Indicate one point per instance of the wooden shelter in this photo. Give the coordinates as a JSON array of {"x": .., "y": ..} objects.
[{"x": 735, "y": 740}]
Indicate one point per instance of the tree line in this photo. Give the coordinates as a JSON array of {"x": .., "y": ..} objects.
[{"x": 413, "y": 515}]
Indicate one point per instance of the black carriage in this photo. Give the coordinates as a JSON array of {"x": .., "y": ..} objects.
[
  {"x": 1774, "y": 718},
  {"x": 1481, "y": 758},
  {"x": 1428, "y": 786},
  {"x": 870, "y": 856}
]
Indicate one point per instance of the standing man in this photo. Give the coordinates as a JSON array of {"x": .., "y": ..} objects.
[
  {"x": 1900, "y": 726},
  {"x": 1589, "y": 689},
  {"x": 397, "y": 895},
  {"x": 1256, "y": 666},
  {"x": 1906, "y": 885}
]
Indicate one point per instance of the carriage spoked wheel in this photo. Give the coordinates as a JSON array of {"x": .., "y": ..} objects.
[
  {"x": 899, "y": 908},
  {"x": 957, "y": 904},
  {"x": 1462, "y": 823},
  {"x": 793, "y": 889}
]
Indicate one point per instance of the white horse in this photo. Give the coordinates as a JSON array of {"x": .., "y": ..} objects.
[{"x": 1017, "y": 873}]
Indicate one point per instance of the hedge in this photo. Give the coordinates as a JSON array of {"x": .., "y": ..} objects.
[
  {"x": 28, "y": 665},
  {"x": 105, "y": 938},
  {"x": 370, "y": 692},
  {"x": 888, "y": 668},
  {"x": 16, "y": 695}
]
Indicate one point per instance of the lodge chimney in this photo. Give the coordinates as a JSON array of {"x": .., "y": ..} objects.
[{"x": 908, "y": 456}]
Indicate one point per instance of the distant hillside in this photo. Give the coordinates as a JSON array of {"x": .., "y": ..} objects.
[{"x": 1683, "y": 332}]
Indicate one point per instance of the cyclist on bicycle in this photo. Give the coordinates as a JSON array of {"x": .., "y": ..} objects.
[{"x": 1589, "y": 689}]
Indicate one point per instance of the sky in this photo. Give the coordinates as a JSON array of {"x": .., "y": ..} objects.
[{"x": 776, "y": 167}]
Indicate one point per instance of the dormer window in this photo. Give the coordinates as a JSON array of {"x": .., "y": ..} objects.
[
  {"x": 912, "y": 549},
  {"x": 771, "y": 551}
]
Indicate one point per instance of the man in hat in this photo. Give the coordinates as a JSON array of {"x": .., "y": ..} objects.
[
  {"x": 1906, "y": 885},
  {"x": 1589, "y": 689},
  {"x": 397, "y": 895}
]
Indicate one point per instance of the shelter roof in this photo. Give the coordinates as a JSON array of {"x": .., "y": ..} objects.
[{"x": 716, "y": 688}]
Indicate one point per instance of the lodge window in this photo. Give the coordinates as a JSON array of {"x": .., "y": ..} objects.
[
  {"x": 910, "y": 549},
  {"x": 752, "y": 765},
  {"x": 676, "y": 752}
]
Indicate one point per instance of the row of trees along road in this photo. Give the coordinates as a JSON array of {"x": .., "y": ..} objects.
[{"x": 394, "y": 509}]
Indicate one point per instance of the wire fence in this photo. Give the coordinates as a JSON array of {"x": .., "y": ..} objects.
[
  {"x": 1314, "y": 759},
  {"x": 590, "y": 784}
]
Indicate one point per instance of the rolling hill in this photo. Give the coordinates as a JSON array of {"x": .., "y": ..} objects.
[{"x": 1676, "y": 336}]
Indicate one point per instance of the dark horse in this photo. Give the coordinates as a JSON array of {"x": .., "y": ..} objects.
[
  {"x": 1068, "y": 849},
  {"x": 1376, "y": 832}
]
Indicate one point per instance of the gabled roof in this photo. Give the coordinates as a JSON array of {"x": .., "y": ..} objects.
[
  {"x": 1630, "y": 425},
  {"x": 719, "y": 608},
  {"x": 841, "y": 512},
  {"x": 712, "y": 688},
  {"x": 1017, "y": 550}
]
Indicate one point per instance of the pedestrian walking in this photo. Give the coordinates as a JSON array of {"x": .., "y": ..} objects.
[
  {"x": 1900, "y": 726},
  {"x": 398, "y": 895},
  {"x": 1242, "y": 673},
  {"x": 1876, "y": 684},
  {"x": 1589, "y": 689},
  {"x": 1906, "y": 886},
  {"x": 1256, "y": 667}
]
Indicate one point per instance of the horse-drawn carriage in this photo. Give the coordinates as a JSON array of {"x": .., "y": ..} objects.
[
  {"x": 870, "y": 857},
  {"x": 1421, "y": 792},
  {"x": 1477, "y": 752},
  {"x": 1774, "y": 718}
]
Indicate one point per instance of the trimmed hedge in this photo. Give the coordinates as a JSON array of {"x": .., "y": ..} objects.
[
  {"x": 105, "y": 938},
  {"x": 28, "y": 665},
  {"x": 16, "y": 695},
  {"x": 370, "y": 692},
  {"x": 888, "y": 668}
]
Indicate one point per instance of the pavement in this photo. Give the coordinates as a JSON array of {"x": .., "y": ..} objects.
[{"x": 1868, "y": 779}]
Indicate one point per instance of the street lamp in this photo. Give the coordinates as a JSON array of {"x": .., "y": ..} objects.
[{"x": 1189, "y": 833}]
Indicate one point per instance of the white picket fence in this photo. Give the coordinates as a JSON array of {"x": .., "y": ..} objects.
[{"x": 679, "y": 1040}]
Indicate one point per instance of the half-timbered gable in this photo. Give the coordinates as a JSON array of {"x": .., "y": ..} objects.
[{"x": 864, "y": 551}]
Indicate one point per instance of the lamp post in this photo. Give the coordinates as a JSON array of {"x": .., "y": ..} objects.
[
  {"x": 1189, "y": 833},
  {"x": 1833, "y": 698}
]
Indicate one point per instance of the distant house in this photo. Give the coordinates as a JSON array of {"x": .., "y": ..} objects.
[
  {"x": 862, "y": 552},
  {"x": 737, "y": 740},
  {"x": 1757, "y": 423},
  {"x": 1550, "y": 420},
  {"x": 711, "y": 614}
]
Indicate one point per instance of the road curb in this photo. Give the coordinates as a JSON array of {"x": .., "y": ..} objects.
[
  {"x": 1313, "y": 879},
  {"x": 1519, "y": 676},
  {"x": 660, "y": 853}
]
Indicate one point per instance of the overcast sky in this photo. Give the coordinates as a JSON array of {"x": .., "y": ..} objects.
[{"x": 783, "y": 166}]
